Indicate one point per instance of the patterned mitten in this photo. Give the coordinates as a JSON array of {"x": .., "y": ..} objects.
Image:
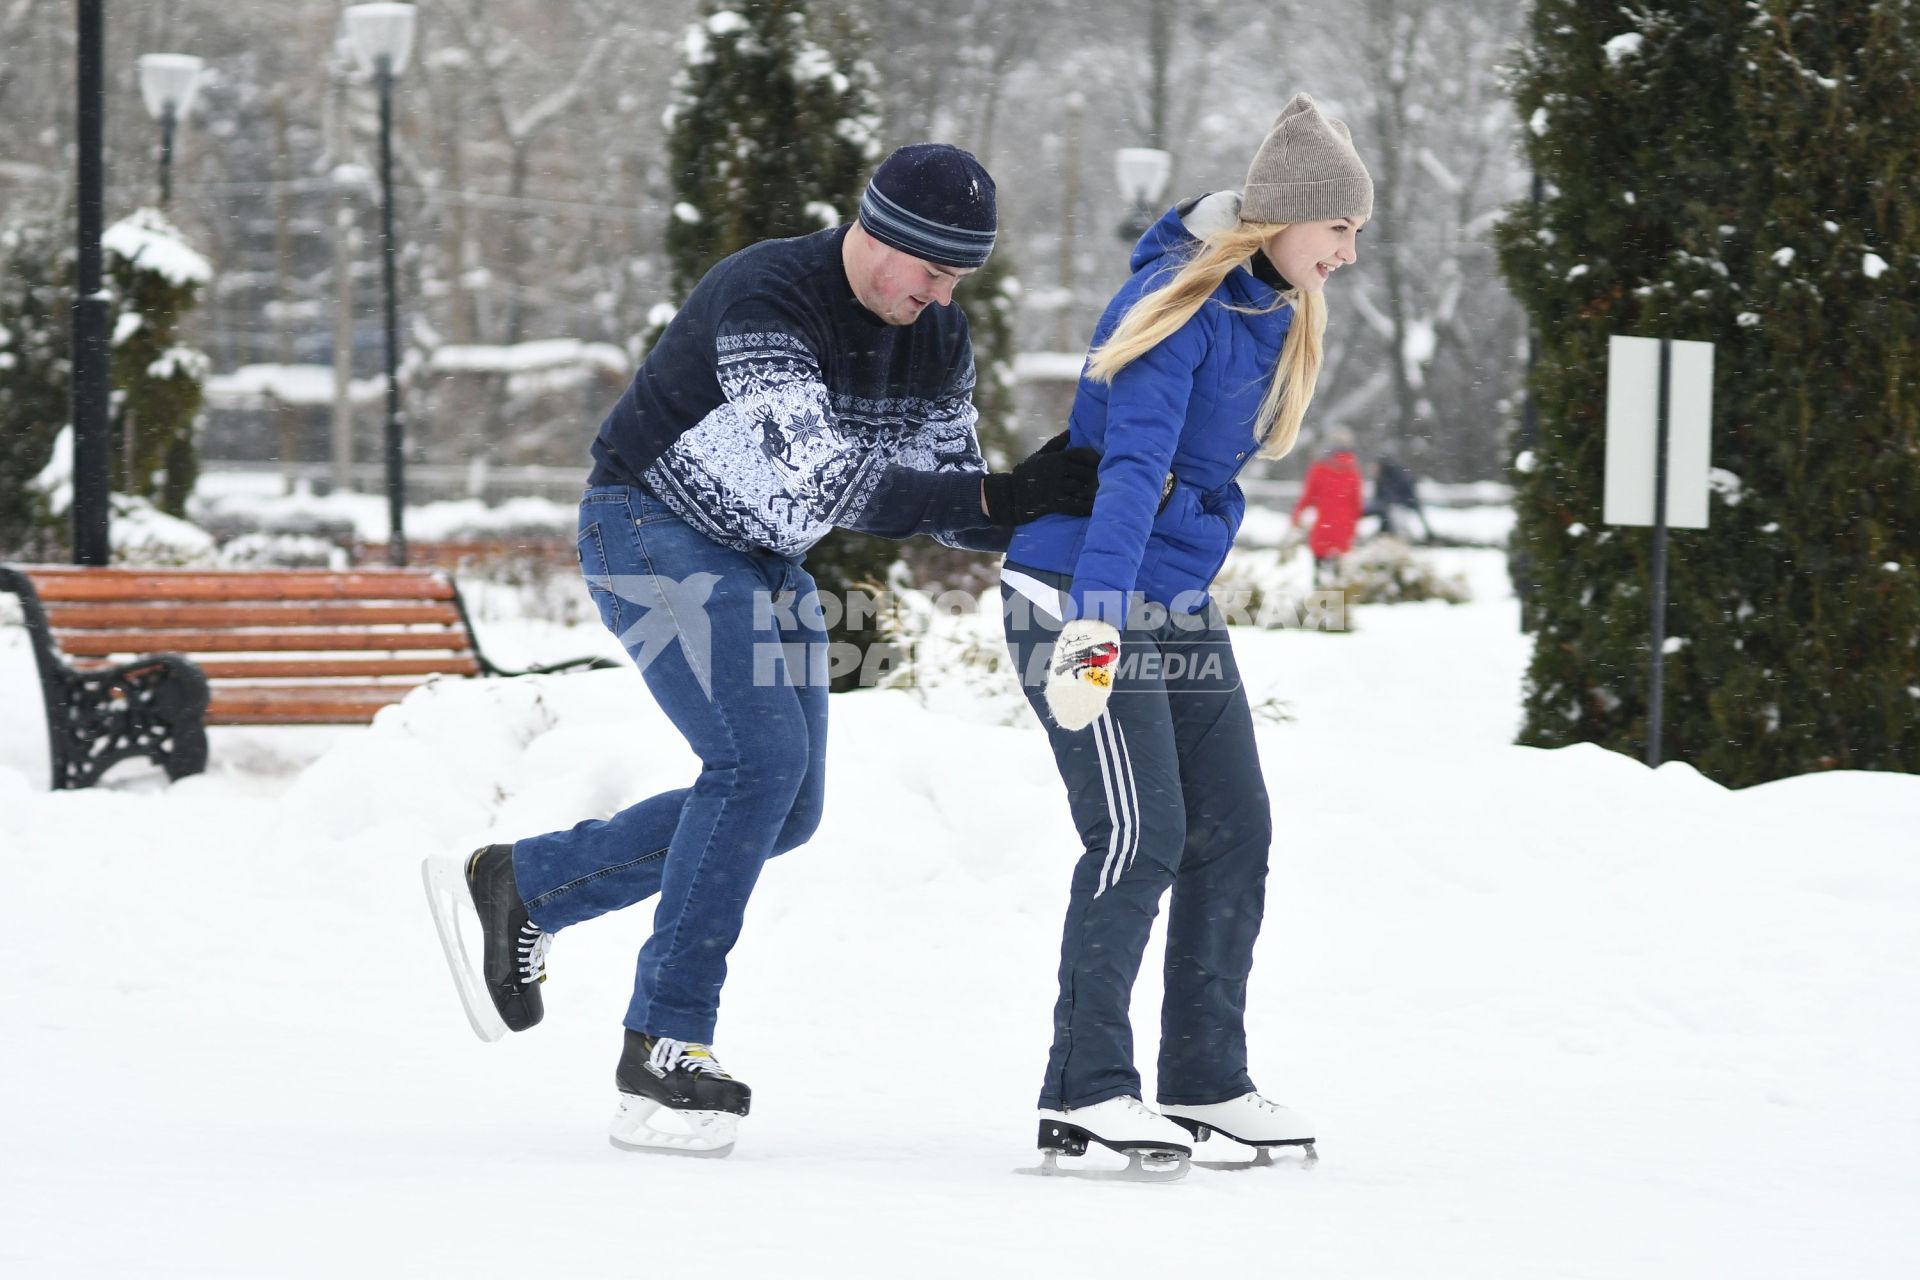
[{"x": 1082, "y": 672}]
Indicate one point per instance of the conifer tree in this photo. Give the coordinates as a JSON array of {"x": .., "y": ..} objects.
[
  {"x": 1681, "y": 158},
  {"x": 36, "y": 294},
  {"x": 1819, "y": 665},
  {"x": 157, "y": 280},
  {"x": 773, "y": 135}
]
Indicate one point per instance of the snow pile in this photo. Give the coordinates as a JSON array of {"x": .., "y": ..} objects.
[
  {"x": 1048, "y": 366},
  {"x": 138, "y": 532},
  {"x": 1476, "y": 525},
  {"x": 148, "y": 241},
  {"x": 256, "y": 386},
  {"x": 1273, "y": 587},
  {"x": 1622, "y": 47},
  {"x": 180, "y": 362},
  {"x": 258, "y": 499},
  {"x": 142, "y": 534},
  {"x": 281, "y": 551},
  {"x": 55, "y": 480},
  {"x": 538, "y": 356},
  {"x": 955, "y": 655}
]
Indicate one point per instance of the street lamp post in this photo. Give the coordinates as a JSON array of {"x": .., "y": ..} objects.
[
  {"x": 167, "y": 82},
  {"x": 1142, "y": 173},
  {"x": 382, "y": 37},
  {"x": 92, "y": 444}
]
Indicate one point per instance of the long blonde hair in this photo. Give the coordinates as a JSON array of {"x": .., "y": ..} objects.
[{"x": 1160, "y": 313}]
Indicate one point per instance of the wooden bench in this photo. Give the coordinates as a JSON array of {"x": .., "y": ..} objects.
[{"x": 137, "y": 662}]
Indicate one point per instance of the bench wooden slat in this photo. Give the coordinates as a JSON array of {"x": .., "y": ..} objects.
[
  {"x": 103, "y": 644},
  {"x": 344, "y": 704},
  {"x": 316, "y": 668},
  {"x": 148, "y": 617},
  {"x": 64, "y": 584}
]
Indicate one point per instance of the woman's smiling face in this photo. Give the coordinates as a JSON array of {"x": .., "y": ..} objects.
[{"x": 1307, "y": 253}]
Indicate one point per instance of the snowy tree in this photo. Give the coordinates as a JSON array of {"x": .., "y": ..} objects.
[
  {"x": 36, "y": 297},
  {"x": 1815, "y": 585},
  {"x": 1748, "y": 183},
  {"x": 156, "y": 379},
  {"x": 773, "y": 135}
]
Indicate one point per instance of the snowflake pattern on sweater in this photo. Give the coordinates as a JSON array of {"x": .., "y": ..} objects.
[{"x": 783, "y": 461}]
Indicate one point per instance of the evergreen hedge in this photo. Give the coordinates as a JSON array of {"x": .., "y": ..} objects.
[
  {"x": 1745, "y": 174},
  {"x": 157, "y": 382},
  {"x": 36, "y": 298}
]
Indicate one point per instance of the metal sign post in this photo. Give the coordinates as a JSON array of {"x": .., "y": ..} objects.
[
  {"x": 1659, "y": 445},
  {"x": 1657, "y": 667}
]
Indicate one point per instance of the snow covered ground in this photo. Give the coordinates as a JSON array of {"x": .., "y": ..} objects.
[{"x": 1555, "y": 1015}]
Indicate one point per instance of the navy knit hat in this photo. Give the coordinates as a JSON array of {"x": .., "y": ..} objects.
[{"x": 934, "y": 202}]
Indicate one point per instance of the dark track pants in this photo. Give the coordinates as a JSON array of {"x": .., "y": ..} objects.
[{"x": 1166, "y": 791}]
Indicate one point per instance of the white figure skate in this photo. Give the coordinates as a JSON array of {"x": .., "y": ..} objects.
[
  {"x": 1251, "y": 1121},
  {"x": 1156, "y": 1149}
]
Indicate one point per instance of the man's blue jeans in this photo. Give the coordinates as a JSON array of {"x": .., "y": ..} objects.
[{"x": 720, "y": 646}]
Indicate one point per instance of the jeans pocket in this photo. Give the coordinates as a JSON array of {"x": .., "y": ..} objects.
[{"x": 591, "y": 548}]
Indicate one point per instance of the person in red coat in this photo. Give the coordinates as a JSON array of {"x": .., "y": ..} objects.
[{"x": 1333, "y": 492}]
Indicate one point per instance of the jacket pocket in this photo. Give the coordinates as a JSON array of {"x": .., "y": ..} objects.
[{"x": 1189, "y": 543}]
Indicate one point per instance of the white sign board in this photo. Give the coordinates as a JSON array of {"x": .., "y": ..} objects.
[{"x": 1633, "y": 401}]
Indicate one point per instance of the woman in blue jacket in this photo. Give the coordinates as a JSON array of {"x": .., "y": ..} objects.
[{"x": 1205, "y": 359}]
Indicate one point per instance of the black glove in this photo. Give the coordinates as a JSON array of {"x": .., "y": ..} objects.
[{"x": 1053, "y": 480}]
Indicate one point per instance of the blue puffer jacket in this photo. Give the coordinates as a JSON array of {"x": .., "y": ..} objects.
[{"x": 1186, "y": 407}]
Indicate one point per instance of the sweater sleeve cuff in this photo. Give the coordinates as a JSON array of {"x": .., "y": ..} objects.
[
  {"x": 956, "y": 504},
  {"x": 908, "y": 502}
]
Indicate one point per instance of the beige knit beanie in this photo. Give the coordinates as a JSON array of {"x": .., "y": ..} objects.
[{"x": 1306, "y": 170}]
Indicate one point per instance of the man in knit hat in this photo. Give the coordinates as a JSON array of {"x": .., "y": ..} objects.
[{"x": 810, "y": 383}]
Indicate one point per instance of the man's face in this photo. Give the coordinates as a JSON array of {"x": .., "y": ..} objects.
[
  {"x": 900, "y": 287},
  {"x": 1306, "y": 253}
]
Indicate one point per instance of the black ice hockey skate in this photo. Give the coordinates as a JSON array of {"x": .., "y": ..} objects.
[
  {"x": 477, "y": 909},
  {"x": 513, "y": 949},
  {"x": 675, "y": 1097},
  {"x": 501, "y": 993},
  {"x": 676, "y": 1074}
]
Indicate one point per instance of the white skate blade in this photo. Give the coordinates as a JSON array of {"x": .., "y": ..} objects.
[
  {"x": 1263, "y": 1157},
  {"x": 452, "y": 906},
  {"x": 1148, "y": 1166},
  {"x": 642, "y": 1124},
  {"x": 1263, "y": 1152}
]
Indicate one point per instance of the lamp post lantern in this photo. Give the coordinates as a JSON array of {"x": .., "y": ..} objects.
[
  {"x": 1142, "y": 173},
  {"x": 382, "y": 38},
  {"x": 167, "y": 84}
]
